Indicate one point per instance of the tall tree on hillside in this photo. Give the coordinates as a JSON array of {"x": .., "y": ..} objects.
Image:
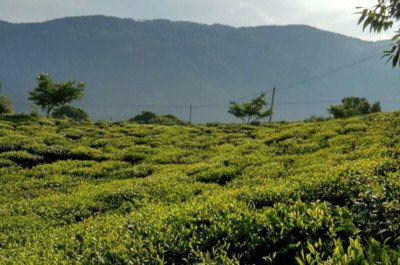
[
  {"x": 250, "y": 111},
  {"x": 382, "y": 17},
  {"x": 49, "y": 95}
]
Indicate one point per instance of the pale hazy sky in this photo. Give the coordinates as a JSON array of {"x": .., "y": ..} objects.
[{"x": 332, "y": 15}]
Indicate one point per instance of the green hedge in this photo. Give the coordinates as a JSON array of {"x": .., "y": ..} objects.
[{"x": 324, "y": 192}]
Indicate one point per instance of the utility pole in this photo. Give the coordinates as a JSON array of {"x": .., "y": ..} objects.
[
  {"x": 272, "y": 104},
  {"x": 190, "y": 114}
]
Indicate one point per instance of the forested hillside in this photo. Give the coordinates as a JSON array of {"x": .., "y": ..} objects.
[
  {"x": 120, "y": 193},
  {"x": 162, "y": 66}
]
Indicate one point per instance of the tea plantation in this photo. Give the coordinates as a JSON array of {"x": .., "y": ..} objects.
[{"x": 119, "y": 193}]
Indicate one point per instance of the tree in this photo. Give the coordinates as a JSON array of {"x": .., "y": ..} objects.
[
  {"x": 353, "y": 106},
  {"x": 148, "y": 117},
  {"x": 382, "y": 17},
  {"x": 49, "y": 95},
  {"x": 250, "y": 110},
  {"x": 71, "y": 112},
  {"x": 5, "y": 105}
]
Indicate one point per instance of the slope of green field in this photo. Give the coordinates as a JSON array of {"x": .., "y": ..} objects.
[{"x": 118, "y": 193}]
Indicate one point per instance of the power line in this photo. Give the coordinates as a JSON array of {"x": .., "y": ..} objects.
[
  {"x": 341, "y": 68},
  {"x": 117, "y": 105},
  {"x": 290, "y": 103},
  {"x": 224, "y": 102},
  {"x": 307, "y": 102},
  {"x": 131, "y": 106},
  {"x": 330, "y": 72},
  {"x": 221, "y": 105},
  {"x": 218, "y": 103}
]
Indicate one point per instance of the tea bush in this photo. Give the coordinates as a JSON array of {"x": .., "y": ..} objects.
[{"x": 315, "y": 192}]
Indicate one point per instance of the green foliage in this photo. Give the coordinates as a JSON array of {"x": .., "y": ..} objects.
[
  {"x": 147, "y": 117},
  {"x": 49, "y": 95},
  {"x": 382, "y": 17},
  {"x": 68, "y": 111},
  {"x": 22, "y": 158},
  {"x": 314, "y": 118},
  {"x": 374, "y": 252},
  {"x": 316, "y": 192},
  {"x": 250, "y": 110},
  {"x": 5, "y": 105},
  {"x": 220, "y": 175},
  {"x": 353, "y": 106}
]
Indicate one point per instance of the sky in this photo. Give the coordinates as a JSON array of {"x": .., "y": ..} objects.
[{"x": 333, "y": 15}]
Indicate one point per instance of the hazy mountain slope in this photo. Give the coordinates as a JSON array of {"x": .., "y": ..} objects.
[{"x": 126, "y": 62}]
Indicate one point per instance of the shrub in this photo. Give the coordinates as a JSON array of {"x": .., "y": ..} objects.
[
  {"x": 353, "y": 106},
  {"x": 72, "y": 112},
  {"x": 12, "y": 143},
  {"x": 354, "y": 252},
  {"x": 314, "y": 118},
  {"x": 22, "y": 158},
  {"x": 125, "y": 193},
  {"x": 220, "y": 175},
  {"x": 133, "y": 157},
  {"x": 5, "y": 105},
  {"x": 50, "y": 153},
  {"x": 74, "y": 134},
  {"x": 147, "y": 117},
  {"x": 86, "y": 153}
]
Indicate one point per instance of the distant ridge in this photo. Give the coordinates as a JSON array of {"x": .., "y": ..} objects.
[{"x": 164, "y": 63}]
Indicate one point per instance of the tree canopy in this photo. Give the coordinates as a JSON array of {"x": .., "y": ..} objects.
[
  {"x": 250, "y": 111},
  {"x": 5, "y": 105},
  {"x": 382, "y": 17},
  {"x": 353, "y": 106},
  {"x": 71, "y": 112},
  {"x": 49, "y": 95},
  {"x": 148, "y": 117}
]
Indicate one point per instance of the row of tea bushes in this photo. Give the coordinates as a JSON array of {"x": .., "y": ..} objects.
[{"x": 119, "y": 193}]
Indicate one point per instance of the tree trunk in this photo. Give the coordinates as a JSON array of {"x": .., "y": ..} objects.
[{"x": 48, "y": 111}]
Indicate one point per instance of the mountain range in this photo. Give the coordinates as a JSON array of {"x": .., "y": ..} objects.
[{"x": 163, "y": 66}]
